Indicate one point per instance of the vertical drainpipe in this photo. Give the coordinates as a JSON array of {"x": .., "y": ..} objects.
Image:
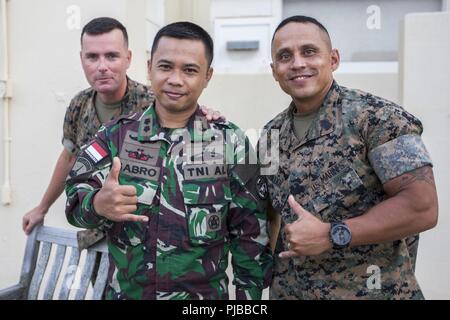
[{"x": 5, "y": 94}]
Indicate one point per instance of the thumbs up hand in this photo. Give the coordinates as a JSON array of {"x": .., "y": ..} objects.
[
  {"x": 307, "y": 236},
  {"x": 117, "y": 202}
]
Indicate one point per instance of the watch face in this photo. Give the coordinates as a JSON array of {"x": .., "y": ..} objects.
[{"x": 341, "y": 235}]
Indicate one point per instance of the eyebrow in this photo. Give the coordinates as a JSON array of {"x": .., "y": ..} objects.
[
  {"x": 163, "y": 61},
  {"x": 192, "y": 65},
  {"x": 309, "y": 45},
  {"x": 303, "y": 46},
  {"x": 281, "y": 50},
  {"x": 188, "y": 65},
  {"x": 106, "y": 53}
]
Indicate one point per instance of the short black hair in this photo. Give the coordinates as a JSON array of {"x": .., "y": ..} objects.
[
  {"x": 103, "y": 25},
  {"x": 186, "y": 30},
  {"x": 301, "y": 19}
]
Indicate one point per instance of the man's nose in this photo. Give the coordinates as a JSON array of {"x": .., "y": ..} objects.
[
  {"x": 298, "y": 61},
  {"x": 102, "y": 65},
  {"x": 175, "y": 78}
]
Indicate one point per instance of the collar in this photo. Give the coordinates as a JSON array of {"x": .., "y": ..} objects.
[
  {"x": 323, "y": 124},
  {"x": 151, "y": 130},
  {"x": 129, "y": 101}
]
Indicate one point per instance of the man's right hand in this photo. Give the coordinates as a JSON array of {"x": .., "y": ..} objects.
[
  {"x": 33, "y": 218},
  {"x": 117, "y": 202}
]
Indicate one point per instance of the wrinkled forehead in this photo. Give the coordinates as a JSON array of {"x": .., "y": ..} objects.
[
  {"x": 179, "y": 49},
  {"x": 113, "y": 38}
]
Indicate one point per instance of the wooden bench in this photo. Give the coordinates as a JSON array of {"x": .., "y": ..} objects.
[{"x": 47, "y": 274}]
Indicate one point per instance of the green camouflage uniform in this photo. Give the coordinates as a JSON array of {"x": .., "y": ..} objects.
[
  {"x": 357, "y": 143},
  {"x": 81, "y": 123},
  {"x": 199, "y": 209}
]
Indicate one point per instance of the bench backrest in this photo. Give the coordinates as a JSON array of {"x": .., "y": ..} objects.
[{"x": 54, "y": 268}]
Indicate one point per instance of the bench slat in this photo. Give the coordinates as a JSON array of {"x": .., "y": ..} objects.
[
  {"x": 39, "y": 271},
  {"x": 86, "y": 275},
  {"x": 65, "y": 237},
  {"x": 15, "y": 292},
  {"x": 58, "y": 236},
  {"x": 54, "y": 273},
  {"x": 37, "y": 260},
  {"x": 102, "y": 276},
  {"x": 71, "y": 271}
]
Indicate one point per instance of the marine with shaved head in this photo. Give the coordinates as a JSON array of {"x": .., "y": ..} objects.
[{"x": 354, "y": 181}]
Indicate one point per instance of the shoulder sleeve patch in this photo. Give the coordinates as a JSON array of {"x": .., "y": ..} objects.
[{"x": 398, "y": 156}]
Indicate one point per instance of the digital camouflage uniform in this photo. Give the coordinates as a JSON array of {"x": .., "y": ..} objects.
[
  {"x": 199, "y": 209},
  {"x": 81, "y": 123},
  {"x": 357, "y": 142}
]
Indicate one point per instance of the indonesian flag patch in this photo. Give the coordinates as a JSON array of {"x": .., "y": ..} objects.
[{"x": 96, "y": 152}]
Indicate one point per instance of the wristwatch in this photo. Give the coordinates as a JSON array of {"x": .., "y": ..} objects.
[{"x": 340, "y": 235}]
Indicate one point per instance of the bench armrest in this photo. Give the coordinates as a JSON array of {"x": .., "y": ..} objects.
[{"x": 15, "y": 292}]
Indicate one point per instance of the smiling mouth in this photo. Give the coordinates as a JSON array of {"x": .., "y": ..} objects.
[
  {"x": 301, "y": 77},
  {"x": 174, "y": 95}
]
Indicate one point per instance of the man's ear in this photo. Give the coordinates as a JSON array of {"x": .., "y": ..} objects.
[
  {"x": 273, "y": 72},
  {"x": 129, "y": 56},
  {"x": 149, "y": 67},
  {"x": 209, "y": 74},
  {"x": 335, "y": 59}
]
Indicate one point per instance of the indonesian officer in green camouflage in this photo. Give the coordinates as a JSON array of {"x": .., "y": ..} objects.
[
  {"x": 351, "y": 189},
  {"x": 173, "y": 190}
]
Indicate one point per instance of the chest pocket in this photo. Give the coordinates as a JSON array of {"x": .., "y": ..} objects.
[
  {"x": 207, "y": 203},
  {"x": 337, "y": 189}
]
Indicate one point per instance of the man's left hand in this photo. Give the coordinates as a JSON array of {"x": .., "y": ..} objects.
[{"x": 307, "y": 236}]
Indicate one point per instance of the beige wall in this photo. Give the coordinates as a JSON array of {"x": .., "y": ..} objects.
[
  {"x": 196, "y": 11},
  {"x": 426, "y": 93}
]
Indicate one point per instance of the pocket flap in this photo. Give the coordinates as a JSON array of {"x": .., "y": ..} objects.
[
  {"x": 206, "y": 191},
  {"x": 340, "y": 185}
]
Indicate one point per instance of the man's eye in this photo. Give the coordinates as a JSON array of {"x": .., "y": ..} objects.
[
  {"x": 191, "y": 71},
  {"x": 164, "y": 67},
  {"x": 309, "y": 52},
  {"x": 111, "y": 56},
  {"x": 284, "y": 56}
]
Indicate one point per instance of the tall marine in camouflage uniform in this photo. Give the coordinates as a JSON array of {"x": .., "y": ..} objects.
[
  {"x": 354, "y": 179},
  {"x": 173, "y": 190},
  {"x": 105, "y": 58}
]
